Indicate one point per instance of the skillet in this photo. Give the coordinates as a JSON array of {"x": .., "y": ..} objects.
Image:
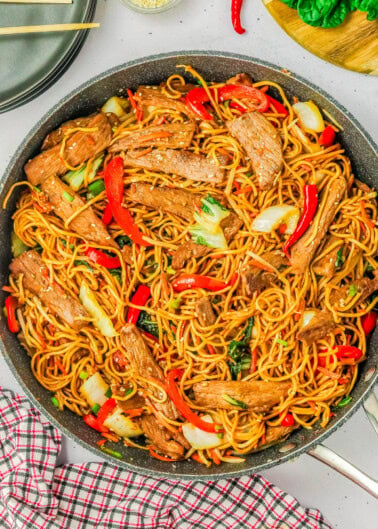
[{"x": 214, "y": 66}]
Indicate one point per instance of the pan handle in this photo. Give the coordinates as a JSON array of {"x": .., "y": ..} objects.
[
  {"x": 371, "y": 409},
  {"x": 333, "y": 460}
]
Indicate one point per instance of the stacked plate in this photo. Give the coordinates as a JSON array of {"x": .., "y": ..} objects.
[{"x": 29, "y": 64}]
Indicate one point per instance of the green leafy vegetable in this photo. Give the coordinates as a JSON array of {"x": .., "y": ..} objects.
[
  {"x": 235, "y": 402},
  {"x": 117, "y": 273},
  {"x": 96, "y": 408},
  {"x": 370, "y": 6},
  {"x": 80, "y": 262},
  {"x": 147, "y": 324},
  {"x": 208, "y": 231},
  {"x": 95, "y": 188},
  {"x": 123, "y": 240},
  {"x": 238, "y": 351},
  {"x": 339, "y": 258},
  {"x": 108, "y": 393},
  {"x": 75, "y": 179},
  {"x": 18, "y": 247}
]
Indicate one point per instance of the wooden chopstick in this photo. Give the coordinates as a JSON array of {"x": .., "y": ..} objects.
[
  {"x": 19, "y": 30},
  {"x": 35, "y": 1}
]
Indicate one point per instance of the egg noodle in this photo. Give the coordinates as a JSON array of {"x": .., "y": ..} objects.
[{"x": 59, "y": 354}]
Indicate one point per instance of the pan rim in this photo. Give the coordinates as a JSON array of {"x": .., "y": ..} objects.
[{"x": 234, "y": 472}]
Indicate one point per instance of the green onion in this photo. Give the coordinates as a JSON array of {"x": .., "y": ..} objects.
[
  {"x": 36, "y": 189},
  {"x": 111, "y": 452},
  {"x": 235, "y": 402},
  {"x": 55, "y": 401},
  {"x": 175, "y": 303},
  {"x": 108, "y": 393},
  {"x": 117, "y": 273},
  {"x": 80, "y": 262},
  {"x": 353, "y": 290},
  {"x": 339, "y": 258},
  {"x": 83, "y": 375},
  {"x": 220, "y": 435},
  {"x": 170, "y": 270},
  {"x": 64, "y": 243},
  {"x": 96, "y": 408},
  {"x": 281, "y": 342},
  {"x": 128, "y": 392},
  {"x": 123, "y": 240},
  {"x": 344, "y": 402},
  {"x": 95, "y": 188},
  {"x": 68, "y": 197}
]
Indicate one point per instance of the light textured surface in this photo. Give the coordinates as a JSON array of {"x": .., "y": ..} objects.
[{"x": 196, "y": 24}]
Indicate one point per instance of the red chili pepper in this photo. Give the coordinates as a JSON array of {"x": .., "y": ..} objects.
[
  {"x": 327, "y": 137},
  {"x": 186, "y": 281},
  {"x": 139, "y": 298},
  {"x": 287, "y": 420},
  {"x": 236, "y": 6},
  {"x": 348, "y": 351},
  {"x": 105, "y": 410},
  {"x": 11, "y": 305},
  {"x": 369, "y": 321},
  {"x": 183, "y": 408},
  {"x": 309, "y": 210},
  {"x": 92, "y": 421},
  {"x": 196, "y": 98},
  {"x": 114, "y": 190},
  {"x": 107, "y": 215},
  {"x": 278, "y": 106},
  {"x": 102, "y": 258}
]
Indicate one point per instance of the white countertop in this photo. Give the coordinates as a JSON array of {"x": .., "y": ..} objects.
[{"x": 200, "y": 24}]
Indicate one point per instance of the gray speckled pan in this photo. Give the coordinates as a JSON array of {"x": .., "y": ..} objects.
[{"x": 215, "y": 66}]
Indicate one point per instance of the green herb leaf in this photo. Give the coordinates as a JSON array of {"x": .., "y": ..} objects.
[
  {"x": 147, "y": 324},
  {"x": 235, "y": 402},
  {"x": 239, "y": 352},
  {"x": 123, "y": 240}
]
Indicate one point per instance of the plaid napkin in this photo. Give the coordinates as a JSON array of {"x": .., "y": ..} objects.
[{"x": 36, "y": 494}]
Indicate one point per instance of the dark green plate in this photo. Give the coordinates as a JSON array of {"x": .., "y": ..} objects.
[{"x": 29, "y": 64}]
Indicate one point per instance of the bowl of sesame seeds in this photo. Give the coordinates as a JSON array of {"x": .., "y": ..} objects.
[{"x": 150, "y": 6}]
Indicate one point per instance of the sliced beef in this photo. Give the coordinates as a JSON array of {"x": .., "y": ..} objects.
[
  {"x": 151, "y": 96},
  {"x": 127, "y": 253},
  {"x": 181, "y": 135},
  {"x": 365, "y": 288},
  {"x": 78, "y": 149},
  {"x": 164, "y": 441},
  {"x": 254, "y": 279},
  {"x": 36, "y": 280},
  {"x": 303, "y": 251},
  {"x": 183, "y": 163},
  {"x": 230, "y": 225},
  {"x": 259, "y": 396},
  {"x": 144, "y": 364},
  {"x": 131, "y": 404},
  {"x": 326, "y": 266},
  {"x": 241, "y": 79},
  {"x": 205, "y": 312},
  {"x": 274, "y": 434},
  {"x": 170, "y": 200},
  {"x": 86, "y": 224},
  {"x": 262, "y": 144},
  {"x": 318, "y": 327},
  {"x": 56, "y": 136}
]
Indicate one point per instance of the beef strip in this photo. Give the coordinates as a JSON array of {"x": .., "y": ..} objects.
[
  {"x": 254, "y": 279},
  {"x": 179, "y": 162},
  {"x": 274, "y": 434},
  {"x": 262, "y": 144},
  {"x": 78, "y": 149},
  {"x": 303, "y": 251},
  {"x": 56, "y": 136},
  {"x": 205, "y": 312},
  {"x": 152, "y": 96},
  {"x": 165, "y": 441},
  {"x": 170, "y": 200},
  {"x": 365, "y": 287},
  {"x": 230, "y": 225},
  {"x": 144, "y": 364},
  {"x": 326, "y": 266},
  {"x": 241, "y": 79},
  {"x": 86, "y": 224},
  {"x": 259, "y": 396},
  {"x": 131, "y": 404},
  {"x": 181, "y": 137},
  {"x": 318, "y": 327},
  {"x": 36, "y": 280}
]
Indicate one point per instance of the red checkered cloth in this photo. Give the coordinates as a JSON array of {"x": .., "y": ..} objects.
[{"x": 36, "y": 494}]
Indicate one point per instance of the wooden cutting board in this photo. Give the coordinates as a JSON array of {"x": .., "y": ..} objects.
[{"x": 352, "y": 45}]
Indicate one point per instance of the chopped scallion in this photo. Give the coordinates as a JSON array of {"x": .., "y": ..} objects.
[
  {"x": 339, "y": 258},
  {"x": 353, "y": 290},
  {"x": 235, "y": 402},
  {"x": 68, "y": 197},
  {"x": 108, "y": 393},
  {"x": 95, "y": 188},
  {"x": 83, "y": 375},
  {"x": 111, "y": 452},
  {"x": 128, "y": 392},
  {"x": 55, "y": 401},
  {"x": 344, "y": 402},
  {"x": 281, "y": 342},
  {"x": 170, "y": 270},
  {"x": 96, "y": 408}
]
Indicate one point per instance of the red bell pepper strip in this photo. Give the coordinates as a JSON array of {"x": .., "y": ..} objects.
[
  {"x": 92, "y": 421},
  {"x": 236, "y": 6},
  {"x": 183, "y": 408},
  {"x": 196, "y": 98},
  {"x": 139, "y": 298},
  {"x": 102, "y": 258},
  {"x": 187, "y": 281},
  {"x": 236, "y": 106},
  {"x": 309, "y": 210},
  {"x": 11, "y": 306},
  {"x": 278, "y": 106},
  {"x": 113, "y": 178},
  {"x": 327, "y": 137},
  {"x": 341, "y": 352},
  {"x": 369, "y": 321},
  {"x": 287, "y": 420},
  {"x": 105, "y": 410},
  {"x": 107, "y": 215}
]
